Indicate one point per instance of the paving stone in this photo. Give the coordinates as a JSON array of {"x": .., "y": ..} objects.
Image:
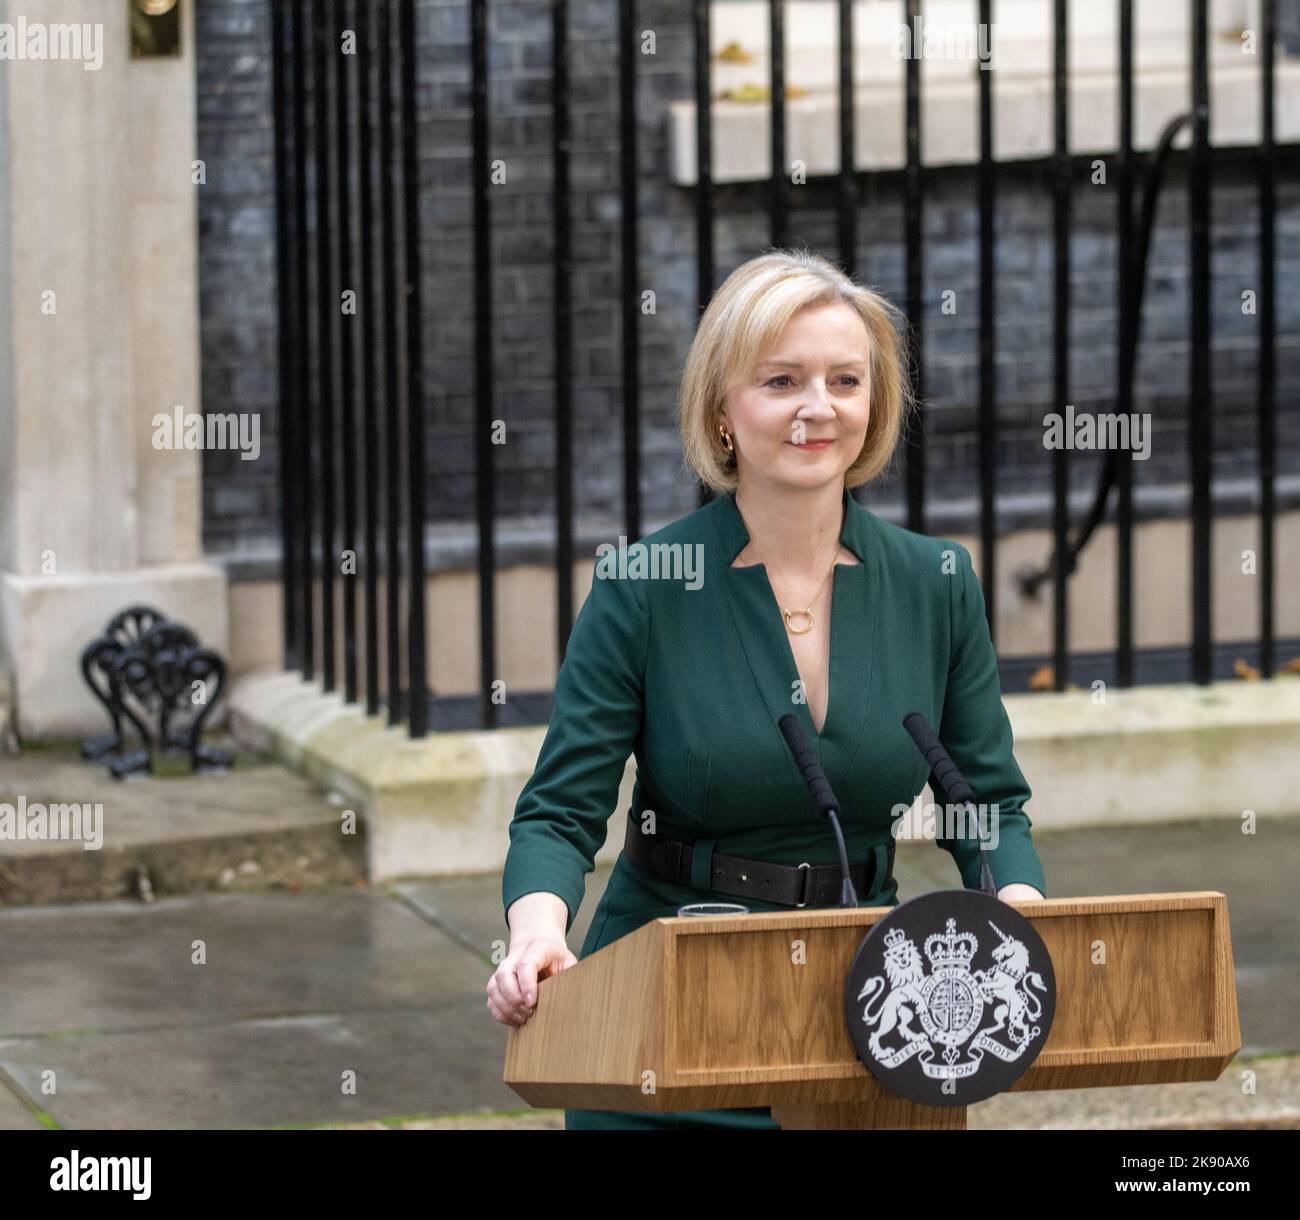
[
  {"x": 116, "y": 966},
  {"x": 1201, "y": 1104},
  {"x": 15, "y": 1112},
  {"x": 390, "y": 983},
  {"x": 469, "y": 908},
  {"x": 272, "y": 1072}
]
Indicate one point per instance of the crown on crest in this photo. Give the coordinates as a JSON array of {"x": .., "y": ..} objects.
[
  {"x": 952, "y": 948},
  {"x": 895, "y": 937}
]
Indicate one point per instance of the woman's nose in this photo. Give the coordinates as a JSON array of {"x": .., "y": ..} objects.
[{"x": 816, "y": 402}]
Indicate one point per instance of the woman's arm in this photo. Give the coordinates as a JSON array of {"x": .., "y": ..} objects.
[
  {"x": 562, "y": 816},
  {"x": 976, "y": 732},
  {"x": 537, "y": 914}
]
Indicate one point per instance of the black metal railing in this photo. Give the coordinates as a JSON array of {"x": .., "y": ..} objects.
[
  {"x": 354, "y": 478},
  {"x": 350, "y": 302}
]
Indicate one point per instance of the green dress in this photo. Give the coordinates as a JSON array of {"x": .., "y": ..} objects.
[{"x": 683, "y": 661}]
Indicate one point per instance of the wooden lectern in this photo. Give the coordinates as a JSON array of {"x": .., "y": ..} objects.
[{"x": 692, "y": 1012}]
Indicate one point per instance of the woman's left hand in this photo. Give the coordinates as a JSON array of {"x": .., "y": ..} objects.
[{"x": 1018, "y": 891}]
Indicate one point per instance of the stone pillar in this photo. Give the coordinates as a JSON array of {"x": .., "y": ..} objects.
[{"x": 98, "y": 334}]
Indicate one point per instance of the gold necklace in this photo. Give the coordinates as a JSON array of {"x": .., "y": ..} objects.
[{"x": 806, "y": 612}]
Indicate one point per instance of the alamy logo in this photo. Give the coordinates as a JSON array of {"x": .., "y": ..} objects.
[
  {"x": 953, "y": 820},
  {"x": 76, "y": 1172},
  {"x": 651, "y": 561},
  {"x": 23, "y": 39},
  {"x": 1088, "y": 431},
  {"x": 194, "y": 430},
  {"x": 946, "y": 40},
  {"x": 38, "y": 822}
]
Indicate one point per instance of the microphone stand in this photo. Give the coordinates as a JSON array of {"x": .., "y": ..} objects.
[{"x": 820, "y": 790}]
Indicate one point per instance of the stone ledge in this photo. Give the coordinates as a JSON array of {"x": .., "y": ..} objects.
[
  {"x": 1159, "y": 753},
  {"x": 1022, "y": 124},
  {"x": 443, "y": 805},
  {"x": 435, "y": 807},
  {"x": 1018, "y": 54},
  {"x": 255, "y": 827}
]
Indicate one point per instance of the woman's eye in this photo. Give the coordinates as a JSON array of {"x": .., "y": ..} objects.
[{"x": 847, "y": 377}]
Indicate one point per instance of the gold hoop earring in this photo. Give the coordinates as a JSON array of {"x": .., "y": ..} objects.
[{"x": 726, "y": 439}]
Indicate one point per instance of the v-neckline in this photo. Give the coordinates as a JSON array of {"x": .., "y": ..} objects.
[
  {"x": 760, "y": 634},
  {"x": 831, "y": 685},
  {"x": 852, "y": 537}
]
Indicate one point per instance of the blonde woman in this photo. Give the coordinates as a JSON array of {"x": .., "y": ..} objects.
[{"x": 794, "y": 391}]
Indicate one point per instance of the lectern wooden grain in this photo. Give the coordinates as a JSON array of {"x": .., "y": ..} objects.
[{"x": 694, "y": 1012}]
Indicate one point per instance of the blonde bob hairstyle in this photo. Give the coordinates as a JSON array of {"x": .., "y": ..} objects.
[{"x": 741, "y": 324}]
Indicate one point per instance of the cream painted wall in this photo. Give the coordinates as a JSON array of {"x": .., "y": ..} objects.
[{"x": 526, "y": 596}]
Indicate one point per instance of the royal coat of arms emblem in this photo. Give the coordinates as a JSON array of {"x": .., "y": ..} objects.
[{"x": 950, "y": 998}]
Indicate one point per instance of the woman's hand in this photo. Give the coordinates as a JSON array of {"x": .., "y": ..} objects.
[
  {"x": 537, "y": 951},
  {"x": 512, "y": 990},
  {"x": 1018, "y": 891}
]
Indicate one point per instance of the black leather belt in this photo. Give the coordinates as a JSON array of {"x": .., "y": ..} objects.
[{"x": 797, "y": 885}]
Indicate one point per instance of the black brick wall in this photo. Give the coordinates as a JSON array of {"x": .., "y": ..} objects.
[{"x": 237, "y": 278}]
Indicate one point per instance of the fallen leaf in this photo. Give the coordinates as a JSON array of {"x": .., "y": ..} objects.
[
  {"x": 760, "y": 93},
  {"x": 734, "y": 53},
  {"x": 747, "y": 93},
  {"x": 1043, "y": 678}
]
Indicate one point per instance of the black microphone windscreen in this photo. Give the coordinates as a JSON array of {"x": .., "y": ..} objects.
[
  {"x": 805, "y": 759},
  {"x": 941, "y": 765}
]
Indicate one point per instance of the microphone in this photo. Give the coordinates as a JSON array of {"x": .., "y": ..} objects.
[
  {"x": 944, "y": 772},
  {"x": 820, "y": 790}
]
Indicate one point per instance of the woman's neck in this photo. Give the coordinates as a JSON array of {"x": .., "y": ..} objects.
[{"x": 793, "y": 530}]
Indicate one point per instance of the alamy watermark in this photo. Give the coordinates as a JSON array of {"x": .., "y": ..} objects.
[
  {"x": 132, "y": 1174},
  {"x": 967, "y": 821},
  {"x": 39, "y": 40},
  {"x": 651, "y": 561},
  {"x": 946, "y": 40},
  {"x": 38, "y": 822},
  {"x": 1086, "y": 430},
  {"x": 194, "y": 430}
]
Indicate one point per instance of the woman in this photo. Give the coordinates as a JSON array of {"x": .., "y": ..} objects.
[{"x": 793, "y": 392}]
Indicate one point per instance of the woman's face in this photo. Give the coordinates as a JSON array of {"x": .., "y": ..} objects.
[{"x": 800, "y": 419}]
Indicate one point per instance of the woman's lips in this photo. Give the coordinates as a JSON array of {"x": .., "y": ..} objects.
[{"x": 812, "y": 444}]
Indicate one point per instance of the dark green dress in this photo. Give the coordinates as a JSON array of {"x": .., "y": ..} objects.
[{"x": 686, "y": 664}]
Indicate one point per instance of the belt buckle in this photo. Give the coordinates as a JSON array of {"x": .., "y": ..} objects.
[{"x": 807, "y": 877}]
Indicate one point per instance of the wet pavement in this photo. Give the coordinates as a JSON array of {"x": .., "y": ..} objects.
[{"x": 354, "y": 1006}]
